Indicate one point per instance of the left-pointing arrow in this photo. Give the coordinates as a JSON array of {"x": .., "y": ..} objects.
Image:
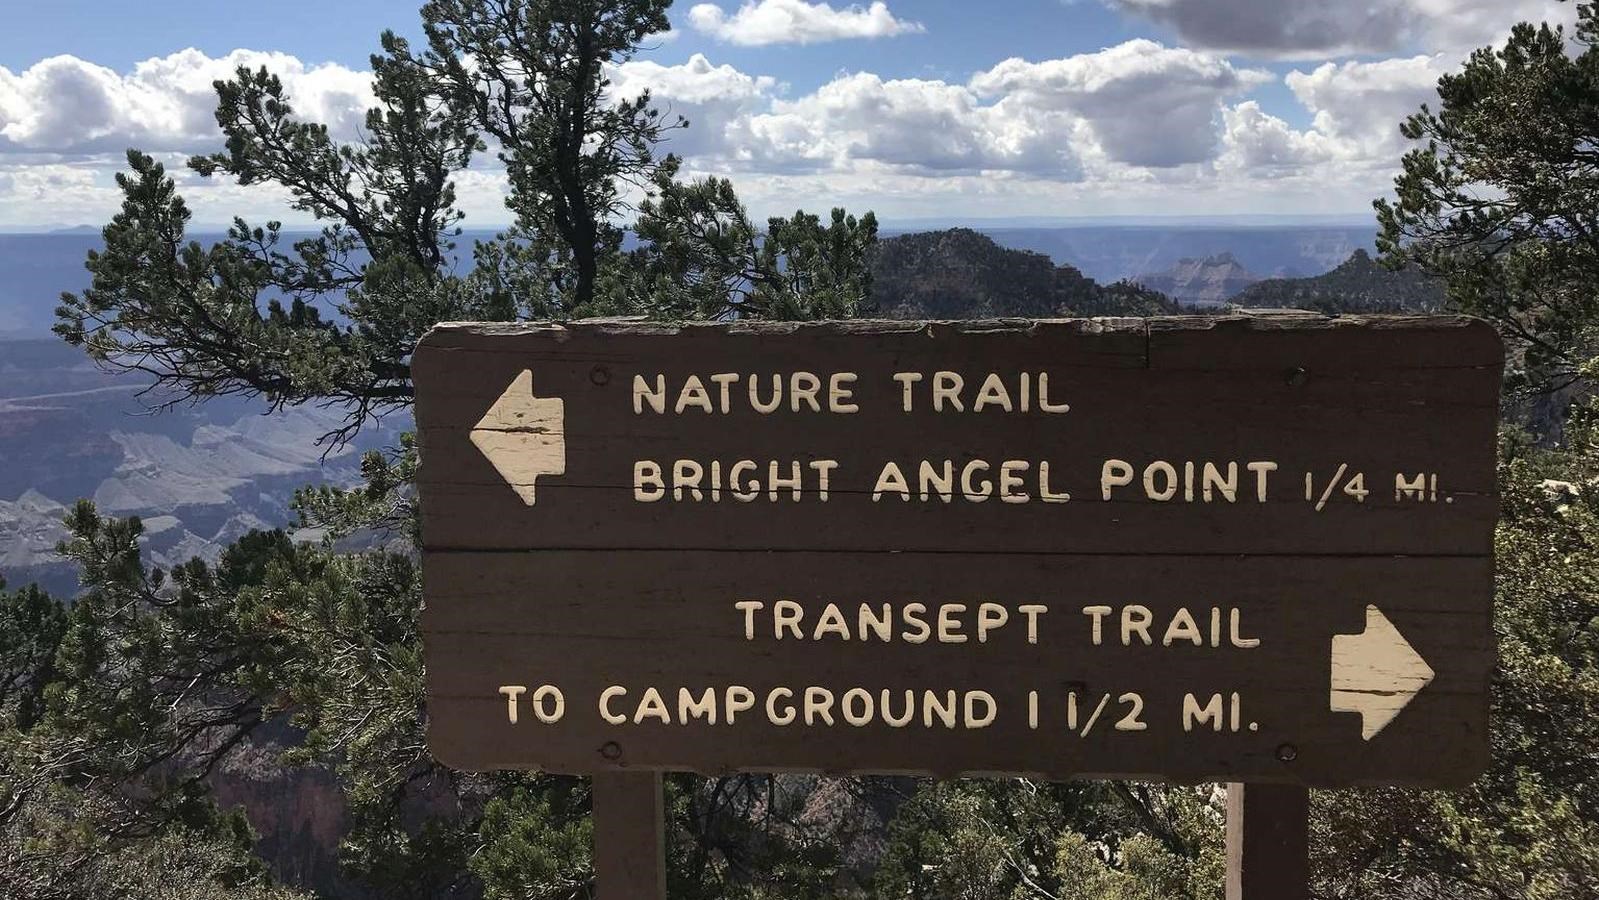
[
  {"x": 1376, "y": 673},
  {"x": 523, "y": 436}
]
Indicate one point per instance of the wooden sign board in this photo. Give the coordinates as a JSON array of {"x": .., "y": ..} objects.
[{"x": 1188, "y": 549}]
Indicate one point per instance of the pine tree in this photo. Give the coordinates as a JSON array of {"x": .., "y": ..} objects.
[
  {"x": 158, "y": 678},
  {"x": 1501, "y": 197},
  {"x": 1501, "y": 200}
]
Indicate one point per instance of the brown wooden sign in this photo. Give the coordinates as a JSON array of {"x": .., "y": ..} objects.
[{"x": 1193, "y": 549}]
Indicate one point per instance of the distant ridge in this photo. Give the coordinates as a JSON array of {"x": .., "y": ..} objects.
[
  {"x": 1359, "y": 285},
  {"x": 1108, "y": 253},
  {"x": 1251, "y": 220},
  {"x": 962, "y": 274}
]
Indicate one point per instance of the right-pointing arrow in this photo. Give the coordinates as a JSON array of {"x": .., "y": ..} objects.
[{"x": 1376, "y": 673}]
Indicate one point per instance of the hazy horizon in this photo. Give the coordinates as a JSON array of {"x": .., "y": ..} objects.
[{"x": 1241, "y": 220}]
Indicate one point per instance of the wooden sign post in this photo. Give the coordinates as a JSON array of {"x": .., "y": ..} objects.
[
  {"x": 1268, "y": 842},
  {"x": 629, "y": 835},
  {"x": 1247, "y": 550}
]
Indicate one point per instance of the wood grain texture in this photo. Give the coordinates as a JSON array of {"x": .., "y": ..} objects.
[
  {"x": 586, "y": 620},
  {"x": 629, "y": 836},
  {"x": 1402, "y": 396},
  {"x": 590, "y": 588}
]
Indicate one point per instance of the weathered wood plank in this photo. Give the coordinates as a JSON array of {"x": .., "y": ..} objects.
[
  {"x": 594, "y": 509},
  {"x": 1386, "y": 402},
  {"x": 587, "y": 621}
]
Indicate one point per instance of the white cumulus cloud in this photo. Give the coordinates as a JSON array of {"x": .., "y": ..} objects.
[
  {"x": 1360, "y": 104},
  {"x": 68, "y": 106},
  {"x": 1118, "y": 129},
  {"x": 1261, "y": 144},
  {"x": 919, "y": 126},
  {"x": 1353, "y": 138},
  {"x": 1139, "y": 104},
  {"x": 762, "y": 22},
  {"x": 1147, "y": 104},
  {"x": 717, "y": 100}
]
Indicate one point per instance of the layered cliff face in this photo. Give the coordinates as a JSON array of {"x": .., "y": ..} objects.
[
  {"x": 961, "y": 274},
  {"x": 198, "y": 477},
  {"x": 1210, "y": 281},
  {"x": 298, "y": 813}
]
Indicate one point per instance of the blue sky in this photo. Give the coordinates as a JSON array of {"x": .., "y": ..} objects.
[
  {"x": 916, "y": 108},
  {"x": 956, "y": 41}
]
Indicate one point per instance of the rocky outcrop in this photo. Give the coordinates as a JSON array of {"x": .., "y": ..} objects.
[{"x": 1210, "y": 281}]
